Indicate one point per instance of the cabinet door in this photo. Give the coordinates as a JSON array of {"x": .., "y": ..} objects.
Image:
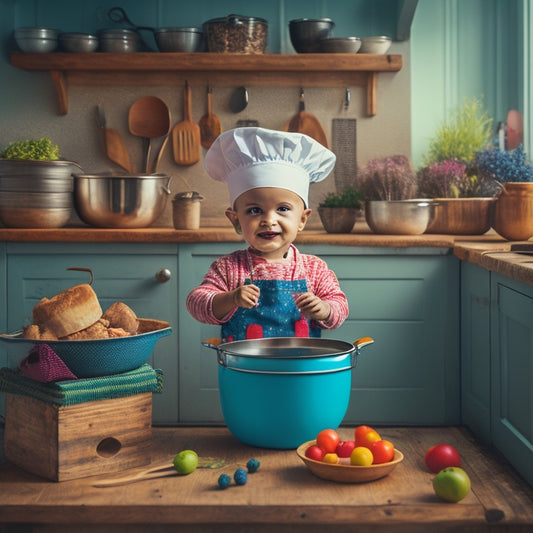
[
  {"x": 475, "y": 349},
  {"x": 407, "y": 303},
  {"x": 122, "y": 272},
  {"x": 512, "y": 372}
]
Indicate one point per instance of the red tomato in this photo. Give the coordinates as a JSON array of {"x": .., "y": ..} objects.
[
  {"x": 383, "y": 451},
  {"x": 314, "y": 452},
  {"x": 361, "y": 431},
  {"x": 368, "y": 438},
  {"x": 345, "y": 448},
  {"x": 441, "y": 456},
  {"x": 328, "y": 439}
]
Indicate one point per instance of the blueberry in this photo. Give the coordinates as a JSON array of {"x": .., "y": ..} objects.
[
  {"x": 223, "y": 481},
  {"x": 240, "y": 476},
  {"x": 253, "y": 465}
]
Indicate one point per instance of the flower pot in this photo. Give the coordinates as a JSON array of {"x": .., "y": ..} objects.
[
  {"x": 338, "y": 219},
  {"x": 462, "y": 216},
  {"x": 513, "y": 213}
]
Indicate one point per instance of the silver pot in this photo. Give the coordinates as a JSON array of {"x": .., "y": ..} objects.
[{"x": 109, "y": 201}]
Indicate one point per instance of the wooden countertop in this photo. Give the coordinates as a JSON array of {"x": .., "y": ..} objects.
[
  {"x": 489, "y": 251},
  {"x": 282, "y": 493}
]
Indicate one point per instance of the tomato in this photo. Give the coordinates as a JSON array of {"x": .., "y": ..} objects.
[
  {"x": 331, "y": 458},
  {"x": 315, "y": 452},
  {"x": 361, "y": 431},
  {"x": 383, "y": 451},
  {"x": 441, "y": 456},
  {"x": 361, "y": 456},
  {"x": 368, "y": 438},
  {"x": 451, "y": 484},
  {"x": 328, "y": 439},
  {"x": 345, "y": 448}
]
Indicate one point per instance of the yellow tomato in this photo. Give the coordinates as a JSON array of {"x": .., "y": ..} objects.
[
  {"x": 331, "y": 458},
  {"x": 361, "y": 456}
]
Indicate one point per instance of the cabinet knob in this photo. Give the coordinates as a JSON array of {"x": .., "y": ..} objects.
[{"x": 163, "y": 275}]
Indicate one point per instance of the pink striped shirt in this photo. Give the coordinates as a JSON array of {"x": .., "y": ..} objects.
[{"x": 231, "y": 271}]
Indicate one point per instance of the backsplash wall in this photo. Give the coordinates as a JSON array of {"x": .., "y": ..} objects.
[{"x": 29, "y": 107}]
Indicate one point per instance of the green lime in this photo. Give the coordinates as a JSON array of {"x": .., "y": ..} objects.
[{"x": 186, "y": 462}]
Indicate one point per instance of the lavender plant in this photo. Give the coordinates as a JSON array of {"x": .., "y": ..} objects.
[
  {"x": 388, "y": 178},
  {"x": 505, "y": 166}
]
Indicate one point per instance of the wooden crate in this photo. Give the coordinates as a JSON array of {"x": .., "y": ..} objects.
[{"x": 88, "y": 439}]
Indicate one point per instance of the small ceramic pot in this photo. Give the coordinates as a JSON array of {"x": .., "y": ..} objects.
[
  {"x": 513, "y": 213},
  {"x": 338, "y": 219}
]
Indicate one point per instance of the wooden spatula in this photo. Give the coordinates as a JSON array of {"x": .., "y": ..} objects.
[
  {"x": 304, "y": 122},
  {"x": 210, "y": 126},
  {"x": 186, "y": 143},
  {"x": 114, "y": 145}
]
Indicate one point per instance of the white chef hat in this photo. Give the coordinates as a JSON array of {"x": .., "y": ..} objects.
[{"x": 249, "y": 158}]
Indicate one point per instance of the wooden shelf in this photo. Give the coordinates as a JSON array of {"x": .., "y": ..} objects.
[{"x": 149, "y": 68}]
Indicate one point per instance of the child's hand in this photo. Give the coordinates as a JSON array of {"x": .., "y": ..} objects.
[
  {"x": 245, "y": 296},
  {"x": 312, "y": 306}
]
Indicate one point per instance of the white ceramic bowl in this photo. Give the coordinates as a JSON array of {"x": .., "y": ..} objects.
[{"x": 375, "y": 45}]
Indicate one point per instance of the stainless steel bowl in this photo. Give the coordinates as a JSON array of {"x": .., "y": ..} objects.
[
  {"x": 110, "y": 201},
  {"x": 36, "y": 40},
  {"x": 119, "y": 40},
  {"x": 179, "y": 39},
  {"x": 36, "y": 176},
  {"x": 78, "y": 43},
  {"x": 399, "y": 217},
  {"x": 33, "y": 217},
  {"x": 306, "y": 34},
  {"x": 340, "y": 45},
  {"x": 379, "y": 44}
]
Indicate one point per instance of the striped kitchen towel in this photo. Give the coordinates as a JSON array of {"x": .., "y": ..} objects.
[{"x": 72, "y": 392}]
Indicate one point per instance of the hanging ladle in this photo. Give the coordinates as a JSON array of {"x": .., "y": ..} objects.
[{"x": 238, "y": 100}]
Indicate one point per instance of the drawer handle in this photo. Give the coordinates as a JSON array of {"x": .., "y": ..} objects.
[{"x": 163, "y": 275}]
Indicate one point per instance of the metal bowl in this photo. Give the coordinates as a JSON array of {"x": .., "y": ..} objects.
[
  {"x": 306, "y": 34},
  {"x": 78, "y": 43},
  {"x": 340, "y": 45},
  {"x": 118, "y": 41},
  {"x": 399, "y": 217},
  {"x": 179, "y": 39},
  {"x": 375, "y": 45},
  {"x": 125, "y": 201},
  {"x": 36, "y": 176},
  {"x": 36, "y": 40}
]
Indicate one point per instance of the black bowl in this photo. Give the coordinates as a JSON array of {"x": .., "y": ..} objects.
[{"x": 306, "y": 34}]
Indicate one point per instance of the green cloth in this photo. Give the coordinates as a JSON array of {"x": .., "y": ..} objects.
[{"x": 65, "y": 393}]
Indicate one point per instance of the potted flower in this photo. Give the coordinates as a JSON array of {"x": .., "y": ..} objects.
[
  {"x": 513, "y": 213},
  {"x": 338, "y": 211},
  {"x": 464, "y": 198}
]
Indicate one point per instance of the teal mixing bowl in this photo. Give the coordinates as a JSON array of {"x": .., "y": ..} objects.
[{"x": 279, "y": 392}]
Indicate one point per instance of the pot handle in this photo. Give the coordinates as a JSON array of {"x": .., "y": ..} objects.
[
  {"x": 358, "y": 344},
  {"x": 213, "y": 344}
]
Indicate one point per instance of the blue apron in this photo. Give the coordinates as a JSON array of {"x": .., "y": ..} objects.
[{"x": 275, "y": 314}]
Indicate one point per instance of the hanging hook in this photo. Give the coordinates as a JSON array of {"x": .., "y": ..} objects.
[
  {"x": 83, "y": 269},
  {"x": 347, "y": 97}
]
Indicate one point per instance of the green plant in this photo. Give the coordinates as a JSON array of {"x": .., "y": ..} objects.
[
  {"x": 388, "y": 178},
  {"x": 31, "y": 150},
  {"x": 348, "y": 197},
  {"x": 467, "y": 130}
]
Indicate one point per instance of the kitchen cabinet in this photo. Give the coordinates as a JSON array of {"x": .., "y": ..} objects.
[
  {"x": 122, "y": 272},
  {"x": 512, "y": 372},
  {"x": 171, "y": 69},
  {"x": 475, "y": 349},
  {"x": 406, "y": 299}
]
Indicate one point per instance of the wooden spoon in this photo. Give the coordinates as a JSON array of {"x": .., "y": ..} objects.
[
  {"x": 210, "y": 127},
  {"x": 186, "y": 139},
  {"x": 114, "y": 145},
  {"x": 149, "y": 117},
  {"x": 304, "y": 122}
]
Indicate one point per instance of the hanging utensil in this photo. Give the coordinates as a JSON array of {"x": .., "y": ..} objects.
[
  {"x": 343, "y": 145},
  {"x": 149, "y": 118},
  {"x": 304, "y": 122},
  {"x": 238, "y": 100},
  {"x": 114, "y": 146},
  {"x": 210, "y": 126},
  {"x": 118, "y": 15},
  {"x": 186, "y": 143}
]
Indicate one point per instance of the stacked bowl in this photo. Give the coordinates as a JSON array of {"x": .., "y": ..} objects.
[{"x": 36, "y": 194}]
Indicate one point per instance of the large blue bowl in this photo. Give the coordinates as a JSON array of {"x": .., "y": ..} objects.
[
  {"x": 98, "y": 357},
  {"x": 280, "y": 392}
]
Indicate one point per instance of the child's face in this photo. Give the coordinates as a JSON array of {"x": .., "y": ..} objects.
[{"x": 270, "y": 219}]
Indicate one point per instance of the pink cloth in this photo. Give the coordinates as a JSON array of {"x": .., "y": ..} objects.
[
  {"x": 44, "y": 365},
  {"x": 231, "y": 271}
]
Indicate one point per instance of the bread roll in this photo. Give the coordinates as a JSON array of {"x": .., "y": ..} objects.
[
  {"x": 121, "y": 316},
  {"x": 68, "y": 312}
]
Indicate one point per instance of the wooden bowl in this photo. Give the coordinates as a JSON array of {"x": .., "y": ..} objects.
[{"x": 348, "y": 473}]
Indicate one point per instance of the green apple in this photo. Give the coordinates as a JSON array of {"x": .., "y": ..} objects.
[
  {"x": 452, "y": 484},
  {"x": 186, "y": 462}
]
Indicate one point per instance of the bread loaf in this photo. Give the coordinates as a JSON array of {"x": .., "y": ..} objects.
[{"x": 68, "y": 312}]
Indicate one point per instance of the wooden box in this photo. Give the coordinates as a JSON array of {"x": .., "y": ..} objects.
[{"x": 87, "y": 439}]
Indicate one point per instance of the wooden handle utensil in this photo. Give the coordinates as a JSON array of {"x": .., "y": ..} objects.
[{"x": 186, "y": 138}]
